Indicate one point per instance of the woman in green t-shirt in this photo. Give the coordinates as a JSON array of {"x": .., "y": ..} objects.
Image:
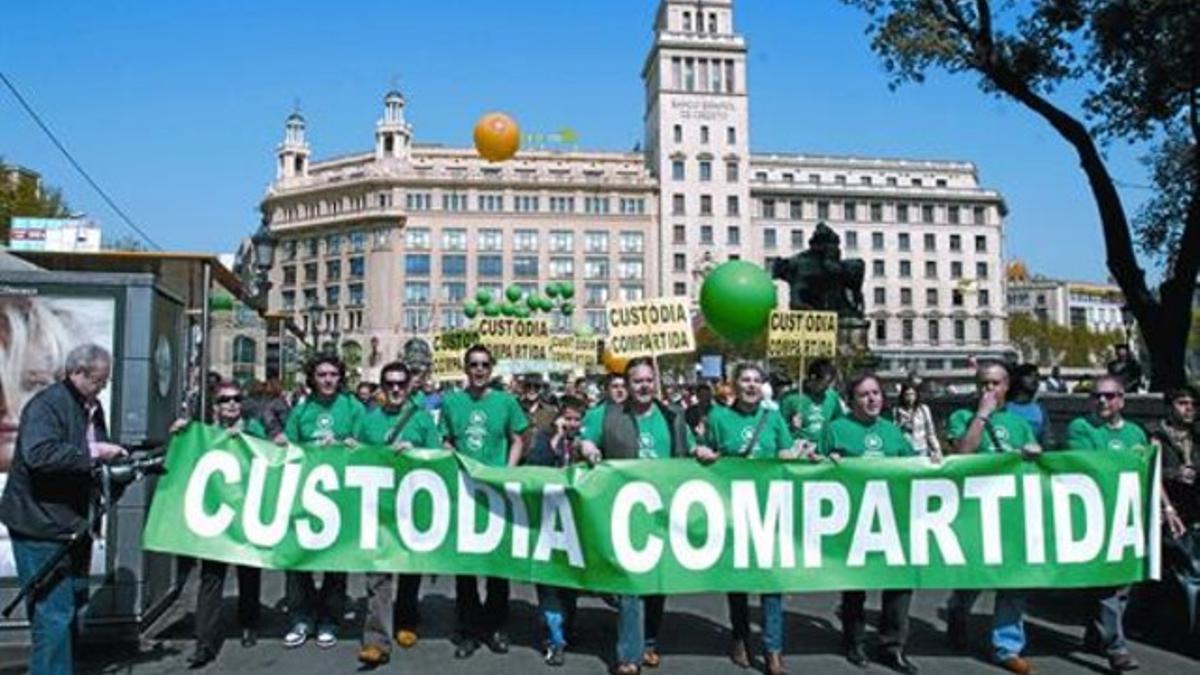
[
  {"x": 749, "y": 429},
  {"x": 863, "y": 433}
]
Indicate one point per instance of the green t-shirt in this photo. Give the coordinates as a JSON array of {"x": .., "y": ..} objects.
[
  {"x": 419, "y": 430},
  {"x": 849, "y": 437},
  {"x": 480, "y": 427},
  {"x": 314, "y": 420},
  {"x": 815, "y": 414},
  {"x": 654, "y": 434},
  {"x": 1013, "y": 431},
  {"x": 729, "y": 430},
  {"x": 1087, "y": 433}
]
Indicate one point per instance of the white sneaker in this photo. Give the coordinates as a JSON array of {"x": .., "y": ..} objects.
[
  {"x": 297, "y": 636},
  {"x": 326, "y": 638}
]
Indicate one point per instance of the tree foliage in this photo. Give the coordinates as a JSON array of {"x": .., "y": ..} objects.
[
  {"x": 1137, "y": 61},
  {"x": 1049, "y": 344},
  {"x": 122, "y": 242},
  {"x": 24, "y": 197}
]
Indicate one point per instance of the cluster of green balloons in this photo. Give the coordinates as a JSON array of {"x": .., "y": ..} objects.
[{"x": 556, "y": 298}]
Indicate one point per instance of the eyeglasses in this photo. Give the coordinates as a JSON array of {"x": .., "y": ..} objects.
[
  {"x": 481, "y": 365},
  {"x": 229, "y": 399},
  {"x": 1107, "y": 395},
  {"x": 395, "y": 384}
]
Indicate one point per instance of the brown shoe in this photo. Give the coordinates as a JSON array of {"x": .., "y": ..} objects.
[
  {"x": 1018, "y": 665},
  {"x": 739, "y": 654},
  {"x": 775, "y": 664},
  {"x": 1121, "y": 662},
  {"x": 373, "y": 656},
  {"x": 406, "y": 638},
  {"x": 651, "y": 658},
  {"x": 627, "y": 669}
]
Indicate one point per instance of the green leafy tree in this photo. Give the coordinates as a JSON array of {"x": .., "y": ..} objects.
[
  {"x": 1136, "y": 60},
  {"x": 23, "y": 196},
  {"x": 1049, "y": 344},
  {"x": 122, "y": 242}
]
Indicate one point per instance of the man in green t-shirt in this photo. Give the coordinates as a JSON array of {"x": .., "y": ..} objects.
[
  {"x": 989, "y": 428},
  {"x": 816, "y": 402},
  {"x": 484, "y": 424},
  {"x": 641, "y": 428},
  {"x": 401, "y": 424},
  {"x": 1106, "y": 429},
  {"x": 328, "y": 416}
]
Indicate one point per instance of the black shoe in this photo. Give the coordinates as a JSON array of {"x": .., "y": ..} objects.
[
  {"x": 856, "y": 655},
  {"x": 466, "y": 647},
  {"x": 249, "y": 637},
  {"x": 200, "y": 658},
  {"x": 956, "y": 630},
  {"x": 498, "y": 642},
  {"x": 897, "y": 661}
]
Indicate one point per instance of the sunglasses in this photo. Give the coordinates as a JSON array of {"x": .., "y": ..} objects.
[
  {"x": 396, "y": 384},
  {"x": 482, "y": 365},
  {"x": 229, "y": 399},
  {"x": 1107, "y": 395}
]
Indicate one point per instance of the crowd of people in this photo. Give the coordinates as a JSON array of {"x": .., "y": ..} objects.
[{"x": 628, "y": 415}]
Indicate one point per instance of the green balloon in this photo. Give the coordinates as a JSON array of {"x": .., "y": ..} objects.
[
  {"x": 552, "y": 290},
  {"x": 567, "y": 309},
  {"x": 491, "y": 310},
  {"x": 483, "y": 297},
  {"x": 584, "y": 331},
  {"x": 521, "y": 312},
  {"x": 508, "y": 309},
  {"x": 547, "y": 305},
  {"x": 470, "y": 309},
  {"x": 533, "y": 302},
  {"x": 567, "y": 290},
  {"x": 736, "y": 299},
  {"x": 514, "y": 293}
]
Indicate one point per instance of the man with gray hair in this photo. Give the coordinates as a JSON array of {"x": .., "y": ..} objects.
[{"x": 60, "y": 437}]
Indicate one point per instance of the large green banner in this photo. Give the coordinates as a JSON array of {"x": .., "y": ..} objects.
[{"x": 1076, "y": 518}]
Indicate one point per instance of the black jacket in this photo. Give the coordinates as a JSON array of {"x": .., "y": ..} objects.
[
  {"x": 50, "y": 484},
  {"x": 620, "y": 431}
]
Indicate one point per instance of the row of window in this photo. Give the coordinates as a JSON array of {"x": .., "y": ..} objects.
[
  {"x": 840, "y": 179},
  {"x": 704, "y": 169},
  {"x": 523, "y": 267},
  {"x": 356, "y": 268},
  {"x": 933, "y": 331},
  {"x": 703, "y": 74},
  {"x": 592, "y": 295},
  {"x": 329, "y": 322},
  {"x": 733, "y": 237},
  {"x": 687, "y": 22},
  {"x": 331, "y": 298},
  {"x": 879, "y": 269},
  {"x": 492, "y": 239},
  {"x": 498, "y": 202},
  {"x": 875, "y": 212},
  {"x": 334, "y": 244},
  {"x": 932, "y": 297}
]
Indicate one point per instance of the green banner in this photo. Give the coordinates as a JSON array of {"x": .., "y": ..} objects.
[{"x": 1076, "y": 518}]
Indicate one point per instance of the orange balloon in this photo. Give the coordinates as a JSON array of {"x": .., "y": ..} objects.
[
  {"x": 497, "y": 137},
  {"x": 614, "y": 363}
]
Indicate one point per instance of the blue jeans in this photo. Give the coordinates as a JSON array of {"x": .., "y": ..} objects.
[
  {"x": 630, "y": 629},
  {"x": 1008, "y": 620},
  {"x": 54, "y": 612},
  {"x": 772, "y": 619},
  {"x": 557, "y": 607}
]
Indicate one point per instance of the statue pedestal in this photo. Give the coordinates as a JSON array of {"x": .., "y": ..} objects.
[{"x": 853, "y": 352}]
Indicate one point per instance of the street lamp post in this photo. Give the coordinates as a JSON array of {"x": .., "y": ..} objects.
[
  {"x": 264, "y": 259},
  {"x": 315, "y": 311}
]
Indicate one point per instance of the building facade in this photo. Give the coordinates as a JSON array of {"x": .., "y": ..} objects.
[
  {"x": 1097, "y": 307},
  {"x": 381, "y": 246}
]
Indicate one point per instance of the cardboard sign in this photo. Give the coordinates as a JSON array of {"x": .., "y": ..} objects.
[
  {"x": 515, "y": 339},
  {"x": 650, "y": 327},
  {"x": 793, "y": 334},
  {"x": 449, "y": 347}
]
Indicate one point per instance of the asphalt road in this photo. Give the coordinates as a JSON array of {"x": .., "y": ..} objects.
[{"x": 694, "y": 639}]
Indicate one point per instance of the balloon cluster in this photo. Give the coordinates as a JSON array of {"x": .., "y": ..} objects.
[{"x": 554, "y": 298}]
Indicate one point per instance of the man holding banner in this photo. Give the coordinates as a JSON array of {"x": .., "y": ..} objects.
[
  {"x": 642, "y": 428},
  {"x": 815, "y": 404},
  {"x": 990, "y": 428},
  {"x": 486, "y": 425}
]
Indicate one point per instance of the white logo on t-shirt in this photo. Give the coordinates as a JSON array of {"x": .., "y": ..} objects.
[
  {"x": 873, "y": 444},
  {"x": 476, "y": 430}
]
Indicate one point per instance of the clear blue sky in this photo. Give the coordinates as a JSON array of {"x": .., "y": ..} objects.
[{"x": 176, "y": 107}]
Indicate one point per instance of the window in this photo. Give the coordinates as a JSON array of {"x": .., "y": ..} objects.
[
  {"x": 454, "y": 201},
  {"x": 310, "y": 247},
  {"x": 955, "y": 242},
  {"x": 598, "y": 320},
  {"x": 595, "y": 295},
  {"x": 731, "y": 172},
  {"x": 525, "y": 266},
  {"x": 562, "y": 205},
  {"x": 930, "y": 269},
  {"x": 906, "y": 331},
  {"x": 935, "y": 331},
  {"x": 679, "y": 288},
  {"x": 706, "y": 234},
  {"x": 839, "y": 179},
  {"x": 416, "y": 320},
  {"x": 706, "y": 205},
  {"x": 822, "y": 210},
  {"x": 769, "y": 237},
  {"x": 289, "y": 300},
  {"x": 454, "y": 239},
  {"x": 814, "y": 178},
  {"x": 416, "y": 239},
  {"x": 797, "y": 239},
  {"x": 876, "y": 241},
  {"x": 289, "y": 250},
  {"x": 956, "y": 298},
  {"x": 679, "y": 234},
  {"x": 851, "y": 239},
  {"x": 630, "y": 268},
  {"x": 960, "y": 331},
  {"x": 490, "y": 266},
  {"x": 677, "y": 205},
  {"x": 333, "y": 270},
  {"x": 979, "y": 215},
  {"x": 985, "y": 331},
  {"x": 415, "y": 265},
  {"x": 906, "y": 297},
  {"x": 981, "y": 270},
  {"x": 562, "y": 241},
  {"x": 931, "y": 297},
  {"x": 731, "y": 205},
  {"x": 952, "y": 215},
  {"x": 733, "y": 235},
  {"x": 454, "y": 265},
  {"x": 705, "y": 170},
  {"x": 595, "y": 268},
  {"x": 956, "y": 271},
  {"x": 985, "y": 297},
  {"x": 941, "y": 182},
  {"x": 416, "y": 293},
  {"x": 333, "y": 296},
  {"x": 731, "y": 135},
  {"x": 356, "y": 294},
  {"x": 880, "y": 295},
  {"x": 850, "y": 211},
  {"x": 678, "y": 133},
  {"x": 980, "y": 243},
  {"x": 902, "y": 213},
  {"x": 677, "y": 172},
  {"x": 490, "y": 202},
  {"x": 310, "y": 273},
  {"x": 596, "y": 205},
  {"x": 680, "y": 262},
  {"x": 687, "y": 21},
  {"x": 881, "y": 331},
  {"x": 796, "y": 209},
  {"x": 358, "y": 242},
  {"x": 632, "y": 242},
  {"x": 562, "y": 268},
  {"x": 905, "y": 269},
  {"x": 358, "y": 267},
  {"x": 333, "y": 244},
  {"x": 930, "y": 242},
  {"x": 877, "y": 268},
  {"x": 876, "y": 213},
  {"x": 525, "y": 240},
  {"x": 289, "y": 275},
  {"x": 916, "y": 182},
  {"x": 490, "y": 240},
  {"x": 595, "y": 242},
  {"x": 768, "y": 208},
  {"x": 903, "y": 242},
  {"x": 632, "y": 292},
  {"x": 704, "y": 133}
]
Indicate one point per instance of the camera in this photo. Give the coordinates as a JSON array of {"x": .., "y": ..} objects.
[{"x": 122, "y": 472}]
